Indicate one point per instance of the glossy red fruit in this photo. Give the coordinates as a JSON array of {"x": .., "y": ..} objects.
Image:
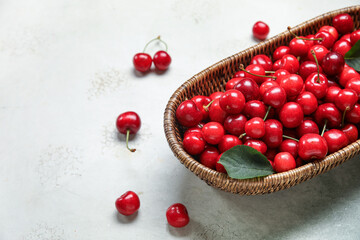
[
  {"x": 351, "y": 132},
  {"x": 232, "y": 101},
  {"x": 290, "y": 146},
  {"x": 335, "y": 140},
  {"x": 291, "y": 115},
  {"x": 257, "y": 145},
  {"x": 307, "y": 68},
  {"x": 281, "y": 73},
  {"x": 128, "y": 123},
  {"x": 312, "y": 147},
  {"x": 328, "y": 112},
  {"x": 327, "y": 39},
  {"x": 346, "y": 99},
  {"x": 346, "y": 37},
  {"x": 209, "y": 157},
  {"x": 254, "y": 108},
  {"x": 341, "y": 46},
  {"x": 331, "y": 94},
  {"x": 262, "y": 60},
  {"x": 347, "y": 74},
  {"x": 317, "y": 84},
  {"x": 275, "y": 97},
  {"x": 354, "y": 37},
  {"x": 219, "y": 166},
  {"x": 260, "y": 30},
  {"x": 299, "y": 47},
  {"x": 232, "y": 83},
  {"x": 227, "y": 142},
  {"x": 283, "y": 162},
  {"x": 308, "y": 102},
  {"x": 201, "y": 103},
  {"x": 239, "y": 74},
  {"x": 196, "y": 130},
  {"x": 280, "y": 52},
  {"x": 142, "y": 62},
  {"x": 235, "y": 124},
  {"x": 289, "y": 63},
  {"x": 162, "y": 60},
  {"x": 273, "y": 133},
  {"x": 343, "y": 23},
  {"x": 216, "y": 95},
  {"x": 307, "y": 126},
  {"x": 128, "y": 203},
  {"x": 216, "y": 113},
  {"x": 194, "y": 143},
  {"x": 331, "y": 30},
  {"x": 320, "y": 52},
  {"x": 354, "y": 84},
  {"x": 292, "y": 84},
  {"x": 213, "y": 132},
  {"x": 255, "y": 127},
  {"x": 255, "y": 69},
  {"x": 188, "y": 114},
  {"x": 353, "y": 115},
  {"x": 177, "y": 215},
  {"x": 333, "y": 63},
  {"x": 248, "y": 88},
  {"x": 266, "y": 85}
]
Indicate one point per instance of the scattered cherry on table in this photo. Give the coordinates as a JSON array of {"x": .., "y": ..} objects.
[
  {"x": 128, "y": 123},
  {"x": 128, "y": 203}
]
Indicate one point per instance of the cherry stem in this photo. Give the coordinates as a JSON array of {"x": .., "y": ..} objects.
[
  {"x": 343, "y": 116},
  {"x": 288, "y": 137},
  {"x": 269, "y": 72},
  {"x": 317, "y": 65},
  {"x": 156, "y": 39},
  {"x": 200, "y": 125},
  {"x": 323, "y": 130},
  {"x": 257, "y": 75},
  {"x": 302, "y": 38},
  {"x": 206, "y": 107},
  {"x": 267, "y": 113},
  {"x": 127, "y": 141},
  {"x": 242, "y": 135}
]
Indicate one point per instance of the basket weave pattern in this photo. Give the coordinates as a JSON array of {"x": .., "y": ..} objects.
[{"x": 213, "y": 79}]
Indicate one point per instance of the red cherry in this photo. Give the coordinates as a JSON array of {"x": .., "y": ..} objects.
[
  {"x": 283, "y": 162},
  {"x": 346, "y": 37},
  {"x": 219, "y": 166},
  {"x": 216, "y": 113},
  {"x": 193, "y": 143},
  {"x": 239, "y": 74},
  {"x": 231, "y": 83},
  {"x": 216, "y": 95},
  {"x": 262, "y": 60},
  {"x": 291, "y": 115},
  {"x": 307, "y": 68},
  {"x": 330, "y": 30},
  {"x": 213, "y": 132},
  {"x": 290, "y": 146},
  {"x": 353, "y": 115},
  {"x": 289, "y": 63},
  {"x": 266, "y": 85},
  {"x": 292, "y": 84},
  {"x": 273, "y": 133},
  {"x": 354, "y": 37},
  {"x": 347, "y": 74},
  {"x": 351, "y": 132},
  {"x": 335, "y": 140},
  {"x": 333, "y": 63},
  {"x": 299, "y": 47},
  {"x": 281, "y": 73},
  {"x": 227, "y": 142},
  {"x": 162, "y": 60},
  {"x": 280, "y": 52},
  {"x": 307, "y": 126},
  {"x": 354, "y": 84},
  {"x": 271, "y": 153},
  {"x": 128, "y": 123},
  {"x": 343, "y": 23},
  {"x": 257, "y": 145},
  {"x": 254, "y": 108},
  {"x": 142, "y": 62},
  {"x": 317, "y": 84},
  {"x": 328, "y": 112},
  {"x": 257, "y": 70},
  {"x": 331, "y": 94},
  {"x": 195, "y": 129},
  {"x": 177, "y": 215},
  {"x": 248, "y": 88},
  {"x": 275, "y": 97},
  {"x": 260, "y": 30},
  {"x": 327, "y": 40},
  {"x": 232, "y": 101},
  {"x": 341, "y": 46},
  {"x": 346, "y": 99},
  {"x": 201, "y": 102},
  {"x": 209, "y": 157},
  {"x": 188, "y": 114},
  {"x": 312, "y": 147},
  {"x": 320, "y": 52},
  {"x": 255, "y": 127},
  {"x": 128, "y": 203},
  {"x": 308, "y": 102},
  {"x": 235, "y": 124}
]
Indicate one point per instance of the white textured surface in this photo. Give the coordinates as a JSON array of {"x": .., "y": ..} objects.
[{"x": 66, "y": 73}]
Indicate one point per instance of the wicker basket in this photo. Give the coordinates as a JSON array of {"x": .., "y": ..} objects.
[{"x": 214, "y": 79}]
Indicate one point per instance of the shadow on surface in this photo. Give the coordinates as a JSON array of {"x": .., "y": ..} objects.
[
  {"x": 272, "y": 216},
  {"x": 126, "y": 219}
]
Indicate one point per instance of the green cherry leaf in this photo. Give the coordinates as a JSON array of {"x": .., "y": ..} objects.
[
  {"x": 352, "y": 57},
  {"x": 243, "y": 162}
]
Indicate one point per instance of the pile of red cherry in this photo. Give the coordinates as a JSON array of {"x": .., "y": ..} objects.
[{"x": 295, "y": 108}]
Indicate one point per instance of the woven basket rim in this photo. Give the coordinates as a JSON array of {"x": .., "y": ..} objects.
[{"x": 308, "y": 170}]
